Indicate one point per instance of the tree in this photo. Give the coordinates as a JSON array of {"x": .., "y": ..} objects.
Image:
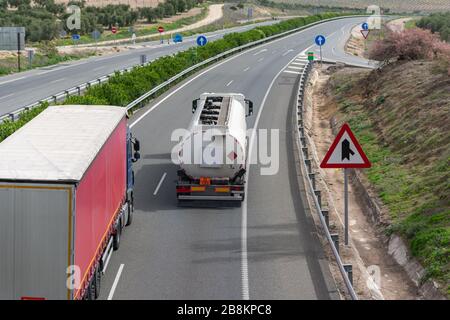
[{"x": 169, "y": 10}]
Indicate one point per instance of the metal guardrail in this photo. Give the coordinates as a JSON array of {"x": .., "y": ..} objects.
[
  {"x": 312, "y": 183},
  {"x": 78, "y": 90}
]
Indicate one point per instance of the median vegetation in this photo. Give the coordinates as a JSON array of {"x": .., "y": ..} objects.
[{"x": 124, "y": 88}]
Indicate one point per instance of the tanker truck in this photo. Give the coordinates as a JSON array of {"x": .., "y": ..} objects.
[
  {"x": 66, "y": 192},
  {"x": 212, "y": 154}
]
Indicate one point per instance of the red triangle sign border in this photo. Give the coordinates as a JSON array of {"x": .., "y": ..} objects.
[
  {"x": 345, "y": 128},
  {"x": 365, "y": 33}
]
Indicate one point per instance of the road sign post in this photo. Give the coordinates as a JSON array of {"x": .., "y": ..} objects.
[
  {"x": 320, "y": 41},
  {"x": 18, "y": 51},
  {"x": 161, "y": 30},
  {"x": 345, "y": 152}
]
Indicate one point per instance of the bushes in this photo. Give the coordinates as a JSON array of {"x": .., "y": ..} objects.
[
  {"x": 124, "y": 88},
  {"x": 437, "y": 22},
  {"x": 410, "y": 44}
]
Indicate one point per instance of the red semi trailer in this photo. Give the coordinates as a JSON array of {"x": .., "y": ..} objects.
[{"x": 66, "y": 192}]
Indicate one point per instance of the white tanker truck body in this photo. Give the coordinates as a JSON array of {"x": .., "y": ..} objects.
[{"x": 212, "y": 155}]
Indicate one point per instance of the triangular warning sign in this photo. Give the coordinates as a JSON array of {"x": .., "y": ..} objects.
[
  {"x": 365, "y": 33},
  {"x": 345, "y": 152}
]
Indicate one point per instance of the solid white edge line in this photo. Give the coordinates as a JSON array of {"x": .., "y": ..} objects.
[
  {"x": 12, "y": 80},
  {"x": 244, "y": 254},
  {"x": 160, "y": 183},
  {"x": 116, "y": 281}
]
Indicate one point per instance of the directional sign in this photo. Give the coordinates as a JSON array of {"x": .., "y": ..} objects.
[
  {"x": 310, "y": 56},
  {"x": 320, "y": 40},
  {"x": 160, "y": 29},
  {"x": 365, "y": 26},
  {"x": 177, "y": 38},
  {"x": 345, "y": 152},
  {"x": 114, "y": 30},
  {"x": 96, "y": 34},
  {"x": 75, "y": 37},
  {"x": 365, "y": 33},
  {"x": 201, "y": 41}
]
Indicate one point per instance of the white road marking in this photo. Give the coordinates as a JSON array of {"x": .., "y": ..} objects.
[
  {"x": 116, "y": 281},
  {"x": 12, "y": 80},
  {"x": 295, "y": 67},
  {"x": 244, "y": 255},
  {"x": 244, "y": 258},
  {"x": 260, "y": 59},
  {"x": 229, "y": 83},
  {"x": 160, "y": 183},
  {"x": 302, "y": 63},
  {"x": 295, "y": 72},
  {"x": 57, "y": 80},
  {"x": 98, "y": 68},
  {"x": 246, "y": 69},
  {"x": 260, "y": 51},
  {"x": 284, "y": 54},
  {"x": 8, "y": 95}
]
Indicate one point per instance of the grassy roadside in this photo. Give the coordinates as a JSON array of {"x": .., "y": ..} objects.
[
  {"x": 146, "y": 31},
  {"x": 8, "y": 65},
  {"x": 401, "y": 125}
]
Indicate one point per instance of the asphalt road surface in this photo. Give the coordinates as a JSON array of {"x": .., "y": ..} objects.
[
  {"x": 24, "y": 88},
  {"x": 267, "y": 248}
]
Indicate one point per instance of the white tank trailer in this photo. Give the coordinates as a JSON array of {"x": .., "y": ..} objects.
[{"x": 212, "y": 155}]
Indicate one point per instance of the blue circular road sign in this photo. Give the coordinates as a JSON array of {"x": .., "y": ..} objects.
[
  {"x": 365, "y": 26},
  {"x": 201, "y": 40},
  {"x": 320, "y": 40},
  {"x": 177, "y": 38}
]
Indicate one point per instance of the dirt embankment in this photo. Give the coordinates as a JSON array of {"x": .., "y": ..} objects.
[{"x": 400, "y": 116}]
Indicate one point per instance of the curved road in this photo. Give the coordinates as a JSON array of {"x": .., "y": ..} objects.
[
  {"x": 24, "y": 88},
  {"x": 265, "y": 249}
]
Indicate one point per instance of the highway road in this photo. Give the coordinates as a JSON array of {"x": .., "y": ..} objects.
[
  {"x": 266, "y": 249},
  {"x": 24, "y": 88}
]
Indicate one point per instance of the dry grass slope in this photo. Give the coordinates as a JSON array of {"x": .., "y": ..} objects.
[
  {"x": 401, "y": 116},
  {"x": 394, "y": 5}
]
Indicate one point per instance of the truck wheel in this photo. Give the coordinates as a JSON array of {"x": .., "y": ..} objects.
[
  {"x": 116, "y": 238},
  {"x": 130, "y": 213},
  {"x": 92, "y": 289},
  {"x": 97, "y": 279}
]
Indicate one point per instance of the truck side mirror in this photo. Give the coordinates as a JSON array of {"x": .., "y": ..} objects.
[
  {"x": 136, "y": 145},
  {"x": 194, "y": 105},
  {"x": 250, "y": 107}
]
